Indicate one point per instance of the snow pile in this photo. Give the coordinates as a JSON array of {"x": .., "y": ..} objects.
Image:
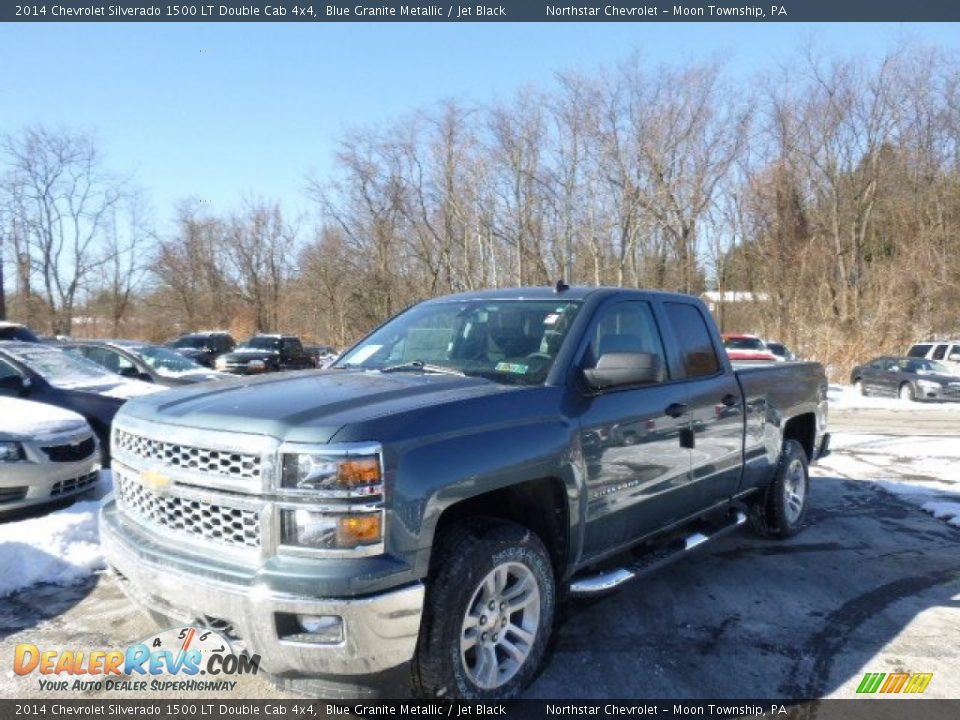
[
  {"x": 132, "y": 389},
  {"x": 844, "y": 397},
  {"x": 949, "y": 511},
  {"x": 923, "y": 471},
  {"x": 60, "y": 548}
]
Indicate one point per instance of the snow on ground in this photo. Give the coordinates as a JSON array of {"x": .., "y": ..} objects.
[
  {"x": 61, "y": 547},
  {"x": 846, "y": 398},
  {"x": 921, "y": 470}
]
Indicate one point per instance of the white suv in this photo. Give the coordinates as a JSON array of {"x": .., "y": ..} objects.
[{"x": 945, "y": 351}]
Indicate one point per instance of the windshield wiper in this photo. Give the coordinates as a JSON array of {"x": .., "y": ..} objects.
[{"x": 420, "y": 366}]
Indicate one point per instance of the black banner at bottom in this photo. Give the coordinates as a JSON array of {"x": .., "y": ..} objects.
[{"x": 875, "y": 708}]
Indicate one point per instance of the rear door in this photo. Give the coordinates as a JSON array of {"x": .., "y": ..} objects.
[
  {"x": 637, "y": 469},
  {"x": 713, "y": 402},
  {"x": 873, "y": 375}
]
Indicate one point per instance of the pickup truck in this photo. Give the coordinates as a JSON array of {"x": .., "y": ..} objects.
[{"x": 413, "y": 516}]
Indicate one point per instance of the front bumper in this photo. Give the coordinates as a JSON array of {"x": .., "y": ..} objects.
[
  {"x": 24, "y": 484},
  {"x": 379, "y": 631}
]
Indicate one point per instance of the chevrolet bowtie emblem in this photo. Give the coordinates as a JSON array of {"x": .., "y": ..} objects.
[{"x": 155, "y": 480}]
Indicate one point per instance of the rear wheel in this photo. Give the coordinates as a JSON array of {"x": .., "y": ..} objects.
[
  {"x": 488, "y": 614},
  {"x": 780, "y": 511},
  {"x": 907, "y": 393}
]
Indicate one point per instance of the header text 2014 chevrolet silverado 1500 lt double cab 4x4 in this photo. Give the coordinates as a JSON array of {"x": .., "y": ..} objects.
[{"x": 419, "y": 510}]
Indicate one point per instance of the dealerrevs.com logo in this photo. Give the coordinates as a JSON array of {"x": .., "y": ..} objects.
[{"x": 199, "y": 659}]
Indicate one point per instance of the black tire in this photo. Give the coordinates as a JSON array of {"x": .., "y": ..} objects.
[
  {"x": 467, "y": 553},
  {"x": 775, "y": 513},
  {"x": 907, "y": 393}
]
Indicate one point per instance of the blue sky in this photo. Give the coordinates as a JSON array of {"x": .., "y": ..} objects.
[{"x": 218, "y": 110}]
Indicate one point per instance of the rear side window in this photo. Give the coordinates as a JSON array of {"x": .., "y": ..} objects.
[
  {"x": 697, "y": 355},
  {"x": 939, "y": 352},
  {"x": 919, "y": 351}
]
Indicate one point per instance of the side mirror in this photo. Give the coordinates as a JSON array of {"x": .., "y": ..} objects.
[
  {"x": 893, "y": 368},
  {"x": 129, "y": 372},
  {"x": 145, "y": 376},
  {"x": 619, "y": 369}
]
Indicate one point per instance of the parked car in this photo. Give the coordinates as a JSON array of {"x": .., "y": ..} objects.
[
  {"x": 944, "y": 351},
  {"x": 780, "y": 351},
  {"x": 908, "y": 378},
  {"x": 323, "y": 355},
  {"x": 746, "y": 347},
  {"x": 46, "y": 454},
  {"x": 16, "y": 331},
  {"x": 46, "y": 374},
  {"x": 418, "y": 510},
  {"x": 204, "y": 347},
  {"x": 143, "y": 361},
  {"x": 266, "y": 353}
]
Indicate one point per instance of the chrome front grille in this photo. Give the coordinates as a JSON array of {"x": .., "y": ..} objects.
[
  {"x": 216, "y": 523},
  {"x": 242, "y": 466}
]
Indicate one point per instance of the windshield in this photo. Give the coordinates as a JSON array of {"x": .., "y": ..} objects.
[
  {"x": 63, "y": 369},
  {"x": 511, "y": 341},
  {"x": 261, "y": 343},
  {"x": 927, "y": 366},
  {"x": 165, "y": 361},
  {"x": 742, "y": 343},
  {"x": 197, "y": 342}
]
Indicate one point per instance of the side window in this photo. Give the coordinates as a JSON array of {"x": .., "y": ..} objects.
[
  {"x": 878, "y": 364},
  {"x": 627, "y": 327},
  {"x": 697, "y": 355},
  {"x": 939, "y": 352},
  {"x": 7, "y": 370},
  {"x": 919, "y": 351}
]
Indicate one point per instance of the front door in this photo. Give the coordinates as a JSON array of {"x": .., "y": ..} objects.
[{"x": 637, "y": 468}]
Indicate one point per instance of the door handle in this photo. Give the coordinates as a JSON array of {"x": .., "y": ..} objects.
[
  {"x": 675, "y": 410},
  {"x": 730, "y": 400}
]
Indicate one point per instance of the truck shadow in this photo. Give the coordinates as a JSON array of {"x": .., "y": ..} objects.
[{"x": 758, "y": 618}]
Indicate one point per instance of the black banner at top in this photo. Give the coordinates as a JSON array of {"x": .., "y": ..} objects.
[{"x": 649, "y": 11}]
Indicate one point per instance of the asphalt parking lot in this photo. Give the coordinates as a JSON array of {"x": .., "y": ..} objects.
[{"x": 871, "y": 585}]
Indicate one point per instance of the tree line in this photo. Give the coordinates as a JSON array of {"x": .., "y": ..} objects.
[{"x": 830, "y": 187}]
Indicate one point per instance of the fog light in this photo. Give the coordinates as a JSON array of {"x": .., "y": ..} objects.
[{"x": 327, "y": 629}]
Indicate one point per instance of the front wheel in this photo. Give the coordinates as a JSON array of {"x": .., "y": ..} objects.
[
  {"x": 779, "y": 512},
  {"x": 907, "y": 393},
  {"x": 488, "y": 614}
]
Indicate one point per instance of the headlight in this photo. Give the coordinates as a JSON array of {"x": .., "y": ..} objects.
[
  {"x": 929, "y": 385},
  {"x": 221, "y": 363},
  {"x": 11, "y": 452},
  {"x": 331, "y": 530},
  {"x": 333, "y": 475}
]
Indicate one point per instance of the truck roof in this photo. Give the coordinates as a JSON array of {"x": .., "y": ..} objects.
[{"x": 579, "y": 292}]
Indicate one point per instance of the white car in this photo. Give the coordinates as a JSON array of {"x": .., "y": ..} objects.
[
  {"x": 943, "y": 351},
  {"x": 46, "y": 454}
]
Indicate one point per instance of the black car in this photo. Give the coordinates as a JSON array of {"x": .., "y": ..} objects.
[
  {"x": 16, "y": 331},
  {"x": 266, "y": 353},
  {"x": 143, "y": 361},
  {"x": 907, "y": 378},
  {"x": 46, "y": 374},
  {"x": 323, "y": 355},
  {"x": 204, "y": 347}
]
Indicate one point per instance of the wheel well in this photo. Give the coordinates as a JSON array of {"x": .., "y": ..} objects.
[
  {"x": 539, "y": 505},
  {"x": 803, "y": 429}
]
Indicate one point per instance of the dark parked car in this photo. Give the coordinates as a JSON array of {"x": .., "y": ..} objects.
[
  {"x": 142, "y": 361},
  {"x": 46, "y": 374},
  {"x": 266, "y": 353},
  {"x": 323, "y": 355},
  {"x": 16, "y": 331},
  {"x": 907, "y": 378},
  {"x": 204, "y": 347}
]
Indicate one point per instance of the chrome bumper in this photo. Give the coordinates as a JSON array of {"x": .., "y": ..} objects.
[{"x": 379, "y": 631}]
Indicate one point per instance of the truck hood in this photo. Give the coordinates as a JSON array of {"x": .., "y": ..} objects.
[{"x": 308, "y": 406}]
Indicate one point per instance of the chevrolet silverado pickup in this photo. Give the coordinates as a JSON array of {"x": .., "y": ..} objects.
[{"x": 415, "y": 514}]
